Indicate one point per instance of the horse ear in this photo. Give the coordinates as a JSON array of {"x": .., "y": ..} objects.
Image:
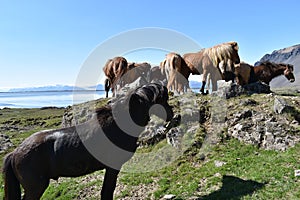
[{"x": 235, "y": 46}]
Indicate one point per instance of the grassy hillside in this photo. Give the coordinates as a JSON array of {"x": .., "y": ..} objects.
[
  {"x": 18, "y": 124},
  {"x": 229, "y": 169}
]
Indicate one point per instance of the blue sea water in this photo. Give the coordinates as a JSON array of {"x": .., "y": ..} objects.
[{"x": 47, "y": 98}]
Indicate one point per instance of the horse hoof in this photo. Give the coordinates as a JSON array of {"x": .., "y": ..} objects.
[{"x": 204, "y": 93}]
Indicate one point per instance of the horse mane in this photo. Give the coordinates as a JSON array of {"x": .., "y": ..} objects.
[
  {"x": 221, "y": 52},
  {"x": 272, "y": 66},
  {"x": 107, "y": 69}
]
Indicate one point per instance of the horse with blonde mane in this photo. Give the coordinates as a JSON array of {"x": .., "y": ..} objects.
[
  {"x": 264, "y": 72},
  {"x": 217, "y": 61}
]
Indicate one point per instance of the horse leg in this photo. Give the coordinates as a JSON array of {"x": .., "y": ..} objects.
[
  {"x": 204, "y": 77},
  {"x": 35, "y": 187},
  {"x": 202, "y": 87},
  {"x": 109, "y": 184},
  {"x": 107, "y": 86},
  {"x": 208, "y": 84},
  {"x": 214, "y": 77}
]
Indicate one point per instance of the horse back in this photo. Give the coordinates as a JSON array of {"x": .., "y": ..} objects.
[{"x": 194, "y": 62}]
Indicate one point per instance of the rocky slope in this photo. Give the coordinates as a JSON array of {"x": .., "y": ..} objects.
[
  {"x": 268, "y": 120},
  {"x": 290, "y": 55}
]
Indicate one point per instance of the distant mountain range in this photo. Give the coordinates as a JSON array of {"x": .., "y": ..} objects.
[
  {"x": 289, "y": 55},
  {"x": 55, "y": 88},
  {"x": 193, "y": 84}
]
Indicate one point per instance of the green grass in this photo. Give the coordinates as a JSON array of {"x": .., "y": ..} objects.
[{"x": 249, "y": 173}]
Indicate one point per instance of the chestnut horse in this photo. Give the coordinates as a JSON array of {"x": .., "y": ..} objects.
[
  {"x": 113, "y": 70},
  {"x": 64, "y": 152},
  {"x": 264, "y": 72},
  {"x": 119, "y": 72},
  {"x": 177, "y": 71},
  {"x": 136, "y": 70},
  {"x": 213, "y": 61},
  {"x": 156, "y": 75}
]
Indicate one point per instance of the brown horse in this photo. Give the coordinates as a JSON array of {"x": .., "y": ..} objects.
[
  {"x": 264, "y": 72},
  {"x": 208, "y": 61},
  {"x": 136, "y": 70},
  {"x": 156, "y": 75},
  {"x": 177, "y": 71},
  {"x": 114, "y": 69},
  {"x": 64, "y": 152}
]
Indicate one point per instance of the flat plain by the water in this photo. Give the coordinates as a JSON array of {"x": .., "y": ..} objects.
[{"x": 46, "y": 98}]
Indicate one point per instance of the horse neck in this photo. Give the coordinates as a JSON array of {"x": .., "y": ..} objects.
[
  {"x": 280, "y": 70},
  {"x": 276, "y": 70},
  {"x": 141, "y": 116}
]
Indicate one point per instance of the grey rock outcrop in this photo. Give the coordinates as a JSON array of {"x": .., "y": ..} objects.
[
  {"x": 228, "y": 89},
  {"x": 268, "y": 121},
  {"x": 131, "y": 86},
  {"x": 264, "y": 128},
  {"x": 281, "y": 106},
  {"x": 5, "y": 143}
]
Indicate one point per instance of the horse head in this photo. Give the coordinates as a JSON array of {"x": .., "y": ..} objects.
[
  {"x": 147, "y": 100},
  {"x": 235, "y": 56},
  {"x": 288, "y": 72}
]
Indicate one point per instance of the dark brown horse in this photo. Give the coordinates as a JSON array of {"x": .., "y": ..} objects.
[
  {"x": 264, "y": 72},
  {"x": 66, "y": 152}
]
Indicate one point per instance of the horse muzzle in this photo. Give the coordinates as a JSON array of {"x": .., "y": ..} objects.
[
  {"x": 292, "y": 80},
  {"x": 237, "y": 61}
]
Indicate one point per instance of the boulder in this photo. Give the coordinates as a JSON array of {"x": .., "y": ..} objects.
[
  {"x": 263, "y": 130},
  {"x": 174, "y": 137},
  {"x": 281, "y": 106},
  {"x": 228, "y": 89},
  {"x": 5, "y": 143},
  {"x": 131, "y": 86}
]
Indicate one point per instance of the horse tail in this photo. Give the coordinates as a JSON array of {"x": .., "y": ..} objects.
[
  {"x": 253, "y": 77},
  {"x": 107, "y": 86},
  {"x": 12, "y": 188}
]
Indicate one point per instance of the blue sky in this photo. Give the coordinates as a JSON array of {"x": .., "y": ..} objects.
[{"x": 46, "y": 42}]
